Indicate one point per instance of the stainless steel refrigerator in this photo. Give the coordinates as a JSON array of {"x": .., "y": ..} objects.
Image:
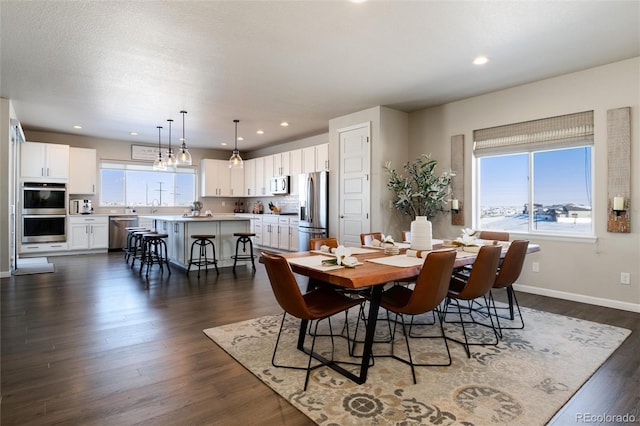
[{"x": 314, "y": 207}]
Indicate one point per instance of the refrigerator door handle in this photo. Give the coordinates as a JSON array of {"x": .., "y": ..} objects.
[{"x": 311, "y": 198}]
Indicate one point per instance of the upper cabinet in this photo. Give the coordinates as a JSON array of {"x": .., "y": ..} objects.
[
  {"x": 82, "y": 171},
  {"x": 218, "y": 180},
  {"x": 44, "y": 161},
  {"x": 281, "y": 164},
  {"x": 315, "y": 158},
  {"x": 322, "y": 157},
  {"x": 250, "y": 178}
]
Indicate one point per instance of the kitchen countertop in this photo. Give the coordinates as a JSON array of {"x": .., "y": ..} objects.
[{"x": 180, "y": 218}]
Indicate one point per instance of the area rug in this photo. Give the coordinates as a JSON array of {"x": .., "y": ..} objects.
[
  {"x": 33, "y": 265},
  {"x": 524, "y": 380}
]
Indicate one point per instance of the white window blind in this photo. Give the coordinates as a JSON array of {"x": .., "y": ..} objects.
[{"x": 563, "y": 131}]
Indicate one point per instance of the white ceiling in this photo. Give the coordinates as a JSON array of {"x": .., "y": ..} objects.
[{"x": 117, "y": 67}]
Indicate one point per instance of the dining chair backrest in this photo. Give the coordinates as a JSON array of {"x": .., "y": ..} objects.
[
  {"x": 494, "y": 235},
  {"x": 432, "y": 284},
  {"x": 367, "y": 239},
  {"x": 316, "y": 243},
  {"x": 483, "y": 274},
  {"x": 284, "y": 285},
  {"x": 406, "y": 235},
  {"x": 512, "y": 264}
]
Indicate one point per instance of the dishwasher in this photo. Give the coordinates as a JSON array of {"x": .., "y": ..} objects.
[{"x": 118, "y": 231}]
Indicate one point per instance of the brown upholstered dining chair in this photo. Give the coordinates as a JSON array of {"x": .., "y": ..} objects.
[
  {"x": 316, "y": 243},
  {"x": 494, "y": 235},
  {"x": 475, "y": 285},
  {"x": 430, "y": 290},
  {"x": 314, "y": 306},
  {"x": 508, "y": 273},
  {"x": 367, "y": 239}
]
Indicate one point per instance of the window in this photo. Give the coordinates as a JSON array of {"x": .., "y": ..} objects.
[
  {"x": 134, "y": 185},
  {"x": 536, "y": 176}
]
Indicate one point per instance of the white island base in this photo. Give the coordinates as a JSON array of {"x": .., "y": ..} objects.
[{"x": 179, "y": 230}]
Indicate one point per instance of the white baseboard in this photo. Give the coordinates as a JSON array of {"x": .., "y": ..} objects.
[
  {"x": 608, "y": 303},
  {"x": 5, "y": 274}
]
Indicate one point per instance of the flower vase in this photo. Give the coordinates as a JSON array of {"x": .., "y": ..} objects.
[{"x": 421, "y": 234}]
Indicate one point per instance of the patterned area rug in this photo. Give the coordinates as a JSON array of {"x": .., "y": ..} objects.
[{"x": 523, "y": 380}]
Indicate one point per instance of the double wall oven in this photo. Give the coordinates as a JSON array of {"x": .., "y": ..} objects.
[{"x": 44, "y": 212}]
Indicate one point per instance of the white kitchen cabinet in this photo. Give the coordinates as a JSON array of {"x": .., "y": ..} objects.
[
  {"x": 270, "y": 231},
  {"x": 215, "y": 178},
  {"x": 294, "y": 240},
  {"x": 258, "y": 229},
  {"x": 44, "y": 161},
  {"x": 295, "y": 168},
  {"x": 281, "y": 164},
  {"x": 322, "y": 157},
  {"x": 262, "y": 184},
  {"x": 82, "y": 171},
  {"x": 236, "y": 181},
  {"x": 309, "y": 159},
  {"x": 39, "y": 248},
  {"x": 250, "y": 189},
  {"x": 315, "y": 158},
  {"x": 268, "y": 168},
  {"x": 88, "y": 232}
]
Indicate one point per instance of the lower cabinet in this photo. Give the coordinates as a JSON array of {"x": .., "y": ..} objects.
[
  {"x": 39, "y": 248},
  {"x": 88, "y": 232},
  {"x": 279, "y": 232}
]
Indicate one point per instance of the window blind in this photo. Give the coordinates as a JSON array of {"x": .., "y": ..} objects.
[{"x": 563, "y": 131}]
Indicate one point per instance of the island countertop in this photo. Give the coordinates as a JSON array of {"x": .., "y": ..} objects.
[{"x": 181, "y": 218}]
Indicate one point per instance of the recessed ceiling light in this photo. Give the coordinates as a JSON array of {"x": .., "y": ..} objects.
[
  {"x": 223, "y": 143},
  {"x": 357, "y": 1},
  {"x": 260, "y": 132},
  {"x": 284, "y": 124},
  {"x": 240, "y": 138},
  {"x": 134, "y": 133},
  {"x": 480, "y": 60},
  {"x": 77, "y": 127}
]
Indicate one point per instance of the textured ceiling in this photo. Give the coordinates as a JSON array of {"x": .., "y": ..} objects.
[{"x": 117, "y": 67}]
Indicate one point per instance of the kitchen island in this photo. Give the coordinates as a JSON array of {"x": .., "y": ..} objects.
[{"x": 179, "y": 229}]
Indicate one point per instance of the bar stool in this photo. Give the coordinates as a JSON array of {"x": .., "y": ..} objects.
[
  {"x": 202, "y": 241},
  {"x": 154, "y": 251},
  {"x": 244, "y": 238},
  {"x": 136, "y": 245},
  {"x": 129, "y": 247}
]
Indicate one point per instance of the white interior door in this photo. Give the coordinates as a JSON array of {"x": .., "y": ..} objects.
[{"x": 355, "y": 184}]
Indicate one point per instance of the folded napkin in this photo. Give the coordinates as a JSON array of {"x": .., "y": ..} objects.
[
  {"x": 376, "y": 242},
  {"x": 327, "y": 249},
  {"x": 418, "y": 253}
]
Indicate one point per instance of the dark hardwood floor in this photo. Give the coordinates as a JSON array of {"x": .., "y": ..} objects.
[{"x": 95, "y": 343}]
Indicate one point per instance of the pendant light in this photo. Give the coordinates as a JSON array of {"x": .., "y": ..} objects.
[
  {"x": 171, "y": 161},
  {"x": 235, "y": 162},
  {"x": 184, "y": 157},
  {"x": 159, "y": 163}
]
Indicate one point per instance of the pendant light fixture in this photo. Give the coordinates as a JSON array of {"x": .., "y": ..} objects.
[
  {"x": 184, "y": 157},
  {"x": 159, "y": 163},
  {"x": 171, "y": 161},
  {"x": 235, "y": 162}
]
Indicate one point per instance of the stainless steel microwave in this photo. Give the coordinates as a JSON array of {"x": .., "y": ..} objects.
[{"x": 279, "y": 185}]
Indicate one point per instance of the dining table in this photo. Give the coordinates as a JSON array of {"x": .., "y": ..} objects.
[{"x": 375, "y": 268}]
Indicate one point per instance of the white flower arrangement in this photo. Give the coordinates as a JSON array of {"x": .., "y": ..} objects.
[
  {"x": 387, "y": 239},
  {"x": 343, "y": 258},
  {"x": 467, "y": 239}
]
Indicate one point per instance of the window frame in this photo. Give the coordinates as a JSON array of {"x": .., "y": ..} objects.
[
  {"x": 556, "y": 133},
  {"x": 123, "y": 165}
]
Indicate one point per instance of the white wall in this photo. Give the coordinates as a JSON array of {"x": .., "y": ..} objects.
[{"x": 584, "y": 271}]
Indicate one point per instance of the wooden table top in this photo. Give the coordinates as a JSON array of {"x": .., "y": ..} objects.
[{"x": 370, "y": 273}]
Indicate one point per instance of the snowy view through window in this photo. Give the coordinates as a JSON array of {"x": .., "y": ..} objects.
[{"x": 561, "y": 192}]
